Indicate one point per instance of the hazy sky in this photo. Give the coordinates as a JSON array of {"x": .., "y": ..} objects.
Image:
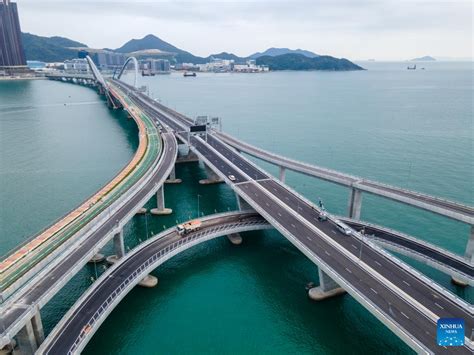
[{"x": 381, "y": 29}]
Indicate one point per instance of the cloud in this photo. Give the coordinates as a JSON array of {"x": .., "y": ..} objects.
[{"x": 334, "y": 27}]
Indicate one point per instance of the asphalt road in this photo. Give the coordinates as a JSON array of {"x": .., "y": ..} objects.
[
  {"x": 75, "y": 324},
  {"x": 289, "y": 210},
  {"x": 348, "y": 179},
  {"x": 462, "y": 265},
  {"x": 39, "y": 290}
]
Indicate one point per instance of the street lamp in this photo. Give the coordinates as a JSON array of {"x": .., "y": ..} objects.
[
  {"x": 362, "y": 233},
  {"x": 198, "y": 196}
]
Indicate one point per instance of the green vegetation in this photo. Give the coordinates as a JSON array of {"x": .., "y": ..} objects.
[
  {"x": 301, "y": 62},
  {"x": 49, "y": 49}
]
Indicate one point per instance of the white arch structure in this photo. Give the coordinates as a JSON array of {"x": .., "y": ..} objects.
[{"x": 135, "y": 62}]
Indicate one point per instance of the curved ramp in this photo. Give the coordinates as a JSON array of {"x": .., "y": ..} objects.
[
  {"x": 432, "y": 255},
  {"x": 433, "y": 204},
  {"x": 78, "y": 326}
]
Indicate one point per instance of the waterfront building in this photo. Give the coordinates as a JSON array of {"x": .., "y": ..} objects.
[
  {"x": 155, "y": 66},
  {"x": 77, "y": 65},
  {"x": 12, "y": 54},
  {"x": 107, "y": 60}
]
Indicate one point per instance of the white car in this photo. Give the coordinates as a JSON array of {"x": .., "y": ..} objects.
[{"x": 231, "y": 177}]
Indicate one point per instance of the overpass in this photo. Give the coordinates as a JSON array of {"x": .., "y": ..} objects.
[
  {"x": 78, "y": 326},
  {"x": 403, "y": 299},
  {"x": 385, "y": 286},
  {"x": 35, "y": 271},
  {"x": 433, "y": 204}
]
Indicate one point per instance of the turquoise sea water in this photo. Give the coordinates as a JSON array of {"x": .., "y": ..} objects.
[{"x": 407, "y": 128}]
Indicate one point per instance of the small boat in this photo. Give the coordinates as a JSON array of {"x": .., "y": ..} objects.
[
  {"x": 411, "y": 68},
  {"x": 189, "y": 74}
]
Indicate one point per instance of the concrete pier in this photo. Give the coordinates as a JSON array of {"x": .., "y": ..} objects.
[
  {"x": 282, "y": 174},
  {"x": 189, "y": 157},
  {"x": 212, "y": 177},
  {"x": 327, "y": 288},
  {"x": 148, "y": 281},
  {"x": 160, "y": 204},
  {"x": 469, "y": 256},
  {"x": 355, "y": 203},
  {"x": 97, "y": 258},
  {"x": 142, "y": 210},
  {"x": 119, "y": 245},
  {"x": 235, "y": 238},
  {"x": 30, "y": 337},
  {"x": 172, "y": 178}
]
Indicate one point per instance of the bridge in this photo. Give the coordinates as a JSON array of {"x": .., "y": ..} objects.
[{"x": 403, "y": 299}]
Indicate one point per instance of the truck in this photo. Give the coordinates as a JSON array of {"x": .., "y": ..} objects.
[{"x": 188, "y": 227}]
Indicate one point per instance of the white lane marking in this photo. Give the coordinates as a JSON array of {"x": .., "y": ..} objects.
[
  {"x": 308, "y": 238},
  {"x": 405, "y": 315},
  {"x": 279, "y": 214},
  {"x": 374, "y": 291},
  {"x": 293, "y": 225},
  {"x": 349, "y": 271},
  {"x": 377, "y": 263},
  {"x": 333, "y": 232},
  {"x": 354, "y": 246},
  {"x": 406, "y": 283},
  {"x": 327, "y": 252},
  {"x": 438, "y": 305}
]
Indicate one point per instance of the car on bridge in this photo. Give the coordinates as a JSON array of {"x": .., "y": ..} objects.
[{"x": 186, "y": 228}]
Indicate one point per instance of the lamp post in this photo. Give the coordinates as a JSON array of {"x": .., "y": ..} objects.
[{"x": 198, "y": 196}]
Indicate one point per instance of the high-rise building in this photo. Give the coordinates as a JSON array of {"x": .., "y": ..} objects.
[{"x": 11, "y": 46}]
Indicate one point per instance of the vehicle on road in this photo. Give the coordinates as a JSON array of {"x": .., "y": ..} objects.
[
  {"x": 231, "y": 177},
  {"x": 188, "y": 227},
  {"x": 323, "y": 216},
  {"x": 343, "y": 228}
]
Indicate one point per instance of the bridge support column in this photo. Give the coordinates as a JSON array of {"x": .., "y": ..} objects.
[
  {"x": 282, "y": 174},
  {"x": 30, "y": 337},
  {"x": 235, "y": 238},
  {"x": 172, "y": 178},
  {"x": 355, "y": 203},
  {"x": 327, "y": 288},
  {"x": 468, "y": 255},
  {"x": 160, "y": 203},
  {"x": 119, "y": 248},
  {"x": 187, "y": 157},
  {"x": 212, "y": 177}
]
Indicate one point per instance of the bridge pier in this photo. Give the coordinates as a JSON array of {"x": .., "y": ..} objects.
[
  {"x": 30, "y": 337},
  {"x": 469, "y": 256},
  {"x": 282, "y": 174},
  {"x": 188, "y": 156},
  {"x": 327, "y": 288},
  {"x": 160, "y": 203},
  {"x": 355, "y": 203},
  {"x": 212, "y": 177},
  {"x": 235, "y": 238},
  {"x": 172, "y": 178}
]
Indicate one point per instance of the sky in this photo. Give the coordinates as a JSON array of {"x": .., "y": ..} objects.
[{"x": 357, "y": 30}]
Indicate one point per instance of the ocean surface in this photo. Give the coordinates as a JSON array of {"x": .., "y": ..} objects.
[{"x": 59, "y": 143}]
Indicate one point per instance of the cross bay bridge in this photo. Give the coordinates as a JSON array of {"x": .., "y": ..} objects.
[{"x": 403, "y": 299}]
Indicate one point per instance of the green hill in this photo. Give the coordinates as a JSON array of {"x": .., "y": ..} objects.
[
  {"x": 49, "y": 49},
  {"x": 301, "y": 62}
]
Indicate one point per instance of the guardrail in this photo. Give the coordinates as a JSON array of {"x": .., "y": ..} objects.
[
  {"x": 447, "y": 208},
  {"x": 150, "y": 263}
]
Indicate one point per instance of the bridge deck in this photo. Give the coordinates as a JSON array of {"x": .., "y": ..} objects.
[{"x": 438, "y": 205}]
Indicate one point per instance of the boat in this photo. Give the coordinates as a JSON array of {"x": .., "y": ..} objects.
[
  {"x": 189, "y": 74},
  {"x": 411, "y": 68}
]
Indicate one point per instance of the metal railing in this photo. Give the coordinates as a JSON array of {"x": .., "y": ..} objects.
[{"x": 142, "y": 269}]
